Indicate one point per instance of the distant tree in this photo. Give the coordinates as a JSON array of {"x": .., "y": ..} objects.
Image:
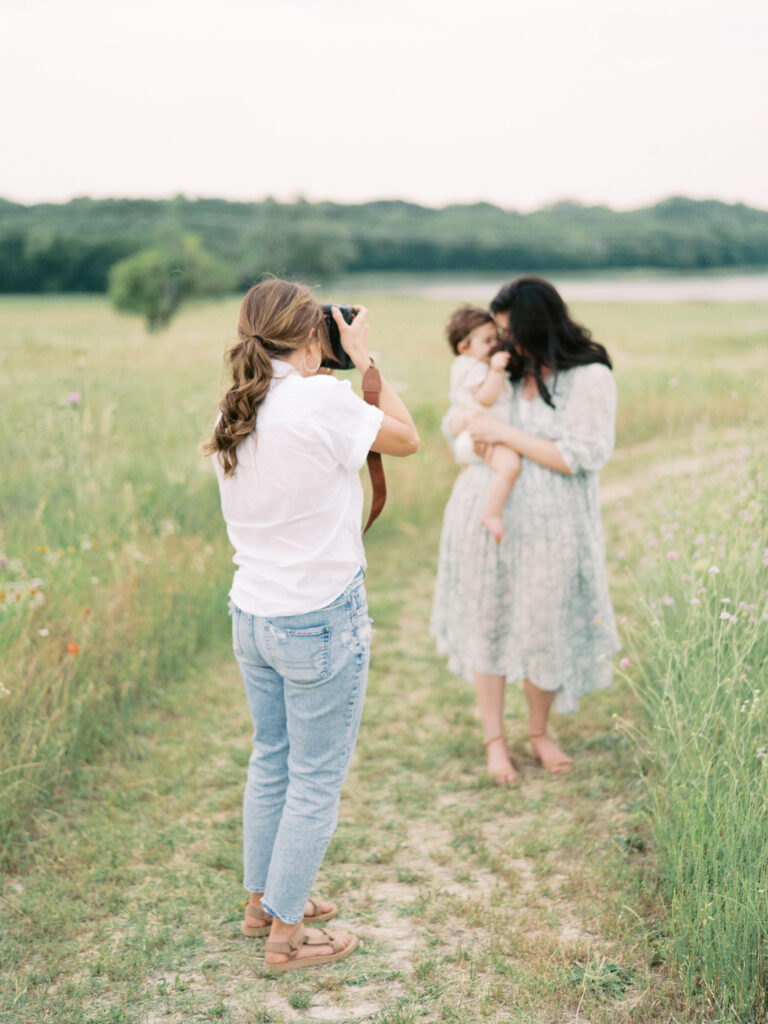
[
  {"x": 14, "y": 267},
  {"x": 292, "y": 242},
  {"x": 156, "y": 282}
]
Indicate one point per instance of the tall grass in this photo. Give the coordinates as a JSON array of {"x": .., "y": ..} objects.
[
  {"x": 701, "y": 652},
  {"x": 112, "y": 571}
]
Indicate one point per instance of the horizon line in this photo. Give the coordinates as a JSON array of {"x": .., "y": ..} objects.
[{"x": 564, "y": 202}]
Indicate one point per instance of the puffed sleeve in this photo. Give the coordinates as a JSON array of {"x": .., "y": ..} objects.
[
  {"x": 346, "y": 424},
  {"x": 589, "y": 419}
]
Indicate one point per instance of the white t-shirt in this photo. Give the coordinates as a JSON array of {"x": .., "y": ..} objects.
[{"x": 294, "y": 504}]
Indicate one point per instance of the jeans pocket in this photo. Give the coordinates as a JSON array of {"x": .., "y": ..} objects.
[{"x": 301, "y": 656}]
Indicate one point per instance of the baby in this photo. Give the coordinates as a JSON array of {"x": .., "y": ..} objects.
[{"x": 479, "y": 383}]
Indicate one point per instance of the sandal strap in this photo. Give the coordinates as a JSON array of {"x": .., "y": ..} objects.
[
  {"x": 290, "y": 946},
  {"x": 324, "y": 938},
  {"x": 257, "y": 913},
  {"x": 493, "y": 739}
]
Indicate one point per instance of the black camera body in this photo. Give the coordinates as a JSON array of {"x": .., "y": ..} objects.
[{"x": 340, "y": 360}]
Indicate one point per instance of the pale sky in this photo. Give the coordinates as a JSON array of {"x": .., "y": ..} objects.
[{"x": 517, "y": 102}]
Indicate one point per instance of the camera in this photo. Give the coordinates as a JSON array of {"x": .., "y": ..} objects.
[{"x": 340, "y": 360}]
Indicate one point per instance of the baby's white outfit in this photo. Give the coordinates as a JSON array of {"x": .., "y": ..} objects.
[{"x": 466, "y": 374}]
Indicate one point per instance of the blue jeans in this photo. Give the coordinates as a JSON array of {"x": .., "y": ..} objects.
[{"x": 305, "y": 678}]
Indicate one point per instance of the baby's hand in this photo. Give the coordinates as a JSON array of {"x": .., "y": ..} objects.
[{"x": 499, "y": 361}]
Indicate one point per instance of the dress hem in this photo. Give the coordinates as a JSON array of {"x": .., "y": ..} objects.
[{"x": 565, "y": 703}]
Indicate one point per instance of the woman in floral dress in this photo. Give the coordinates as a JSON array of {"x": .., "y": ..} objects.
[{"x": 536, "y": 607}]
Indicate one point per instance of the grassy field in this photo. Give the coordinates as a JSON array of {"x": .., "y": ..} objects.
[{"x": 633, "y": 890}]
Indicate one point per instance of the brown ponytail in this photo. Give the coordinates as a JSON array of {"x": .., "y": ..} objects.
[{"x": 276, "y": 318}]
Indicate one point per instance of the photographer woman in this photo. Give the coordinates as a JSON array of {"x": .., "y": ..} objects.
[
  {"x": 287, "y": 447},
  {"x": 536, "y": 607}
]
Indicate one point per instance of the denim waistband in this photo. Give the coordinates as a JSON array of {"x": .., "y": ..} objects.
[{"x": 352, "y": 588}]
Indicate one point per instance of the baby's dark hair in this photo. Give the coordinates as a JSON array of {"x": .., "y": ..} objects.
[{"x": 463, "y": 321}]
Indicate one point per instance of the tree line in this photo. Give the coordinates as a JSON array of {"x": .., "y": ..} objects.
[{"x": 71, "y": 247}]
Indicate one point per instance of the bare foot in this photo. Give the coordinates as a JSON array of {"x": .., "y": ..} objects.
[
  {"x": 310, "y": 910},
  {"x": 494, "y": 526},
  {"x": 304, "y": 951},
  {"x": 498, "y": 764},
  {"x": 551, "y": 757}
]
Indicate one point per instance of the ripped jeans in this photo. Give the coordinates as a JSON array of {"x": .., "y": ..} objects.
[{"x": 305, "y": 678}]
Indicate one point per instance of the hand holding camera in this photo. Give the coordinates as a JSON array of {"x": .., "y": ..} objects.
[{"x": 348, "y": 332}]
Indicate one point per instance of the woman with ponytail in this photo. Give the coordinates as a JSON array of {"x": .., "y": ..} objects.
[{"x": 287, "y": 447}]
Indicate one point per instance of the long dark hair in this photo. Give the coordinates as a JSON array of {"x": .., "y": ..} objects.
[{"x": 543, "y": 333}]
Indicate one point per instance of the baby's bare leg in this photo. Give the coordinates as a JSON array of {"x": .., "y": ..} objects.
[{"x": 506, "y": 468}]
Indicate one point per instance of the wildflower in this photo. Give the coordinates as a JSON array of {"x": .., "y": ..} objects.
[
  {"x": 667, "y": 600},
  {"x": 43, "y": 632},
  {"x": 73, "y": 647},
  {"x": 4, "y": 691},
  {"x": 762, "y": 752},
  {"x": 672, "y": 556},
  {"x": 713, "y": 570},
  {"x": 42, "y": 550},
  {"x": 725, "y": 600},
  {"x": 74, "y": 398},
  {"x": 673, "y": 382},
  {"x": 725, "y": 616},
  {"x": 695, "y": 601},
  {"x": 655, "y": 622},
  {"x": 624, "y": 663}
]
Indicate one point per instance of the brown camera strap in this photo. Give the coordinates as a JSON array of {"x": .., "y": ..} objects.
[{"x": 371, "y": 392}]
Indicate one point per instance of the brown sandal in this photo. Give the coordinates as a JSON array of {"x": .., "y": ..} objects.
[
  {"x": 502, "y": 778},
  {"x": 315, "y": 937},
  {"x": 558, "y": 765},
  {"x": 257, "y": 931}
]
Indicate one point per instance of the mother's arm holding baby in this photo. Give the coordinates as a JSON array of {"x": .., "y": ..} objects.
[{"x": 486, "y": 430}]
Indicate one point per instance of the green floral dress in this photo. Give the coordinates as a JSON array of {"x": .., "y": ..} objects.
[{"x": 537, "y": 605}]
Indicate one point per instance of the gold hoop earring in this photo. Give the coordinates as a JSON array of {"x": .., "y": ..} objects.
[{"x": 314, "y": 369}]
